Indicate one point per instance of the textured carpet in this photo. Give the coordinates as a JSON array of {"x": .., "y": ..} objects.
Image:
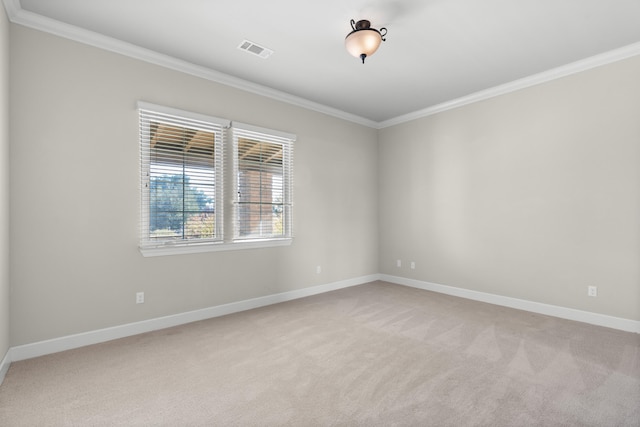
[{"x": 376, "y": 354}]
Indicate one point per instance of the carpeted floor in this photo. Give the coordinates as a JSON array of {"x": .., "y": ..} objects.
[{"x": 376, "y": 354}]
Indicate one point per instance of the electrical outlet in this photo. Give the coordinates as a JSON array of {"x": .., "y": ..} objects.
[
  {"x": 399, "y": 263},
  {"x": 318, "y": 269},
  {"x": 140, "y": 298},
  {"x": 592, "y": 291},
  {"x": 413, "y": 265}
]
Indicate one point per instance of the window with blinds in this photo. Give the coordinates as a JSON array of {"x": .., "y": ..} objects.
[
  {"x": 186, "y": 198},
  {"x": 181, "y": 176},
  {"x": 263, "y": 172}
]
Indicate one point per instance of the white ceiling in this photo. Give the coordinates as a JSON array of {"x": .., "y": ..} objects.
[{"x": 437, "y": 51}]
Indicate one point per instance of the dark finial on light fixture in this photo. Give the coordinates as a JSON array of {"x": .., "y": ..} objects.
[{"x": 363, "y": 41}]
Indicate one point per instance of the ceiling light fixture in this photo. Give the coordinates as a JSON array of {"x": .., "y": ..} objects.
[{"x": 363, "y": 41}]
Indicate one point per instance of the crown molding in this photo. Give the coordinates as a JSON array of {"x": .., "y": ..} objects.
[
  {"x": 523, "y": 83},
  {"x": 17, "y": 15},
  {"x": 12, "y": 7}
]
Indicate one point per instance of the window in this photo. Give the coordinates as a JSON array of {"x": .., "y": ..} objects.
[
  {"x": 184, "y": 188},
  {"x": 181, "y": 168},
  {"x": 262, "y": 166}
]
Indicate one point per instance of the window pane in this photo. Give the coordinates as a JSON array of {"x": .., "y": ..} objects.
[
  {"x": 179, "y": 157},
  {"x": 260, "y": 188}
]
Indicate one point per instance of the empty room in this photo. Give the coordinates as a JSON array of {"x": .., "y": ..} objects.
[{"x": 337, "y": 213}]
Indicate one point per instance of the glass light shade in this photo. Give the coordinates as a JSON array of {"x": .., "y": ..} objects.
[{"x": 364, "y": 41}]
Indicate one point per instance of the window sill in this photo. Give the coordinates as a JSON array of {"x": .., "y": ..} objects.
[{"x": 212, "y": 247}]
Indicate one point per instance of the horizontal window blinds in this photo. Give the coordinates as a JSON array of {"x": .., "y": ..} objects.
[
  {"x": 262, "y": 161},
  {"x": 181, "y": 176}
]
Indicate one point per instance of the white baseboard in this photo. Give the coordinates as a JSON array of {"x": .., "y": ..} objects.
[
  {"x": 69, "y": 342},
  {"x": 535, "y": 307},
  {"x": 4, "y": 365}
]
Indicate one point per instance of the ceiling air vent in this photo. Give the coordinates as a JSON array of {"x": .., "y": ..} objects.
[{"x": 255, "y": 49}]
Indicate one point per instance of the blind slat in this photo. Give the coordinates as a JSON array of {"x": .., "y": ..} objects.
[
  {"x": 183, "y": 179},
  {"x": 263, "y": 167},
  {"x": 181, "y": 166}
]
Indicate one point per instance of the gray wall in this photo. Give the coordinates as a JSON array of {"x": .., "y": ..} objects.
[
  {"x": 4, "y": 184},
  {"x": 75, "y": 194},
  {"x": 533, "y": 195}
]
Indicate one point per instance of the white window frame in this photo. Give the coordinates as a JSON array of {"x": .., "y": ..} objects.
[
  {"x": 225, "y": 184},
  {"x": 189, "y": 120},
  {"x": 286, "y": 141}
]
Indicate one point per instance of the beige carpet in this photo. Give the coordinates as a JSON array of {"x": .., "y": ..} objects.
[{"x": 376, "y": 354}]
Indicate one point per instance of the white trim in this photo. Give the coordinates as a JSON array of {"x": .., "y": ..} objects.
[
  {"x": 69, "y": 342},
  {"x": 17, "y": 15},
  {"x": 523, "y": 83},
  {"x": 196, "y": 248},
  {"x": 269, "y": 133},
  {"x": 4, "y": 365},
  {"x": 627, "y": 325},
  {"x": 181, "y": 114},
  {"x": 12, "y": 7}
]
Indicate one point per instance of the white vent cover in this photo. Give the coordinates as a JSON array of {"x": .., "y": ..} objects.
[{"x": 255, "y": 49}]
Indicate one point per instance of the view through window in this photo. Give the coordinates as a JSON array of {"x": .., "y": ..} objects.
[
  {"x": 261, "y": 205},
  {"x": 183, "y": 184}
]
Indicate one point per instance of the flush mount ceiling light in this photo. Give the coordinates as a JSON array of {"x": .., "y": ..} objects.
[{"x": 363, "y": 41}]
